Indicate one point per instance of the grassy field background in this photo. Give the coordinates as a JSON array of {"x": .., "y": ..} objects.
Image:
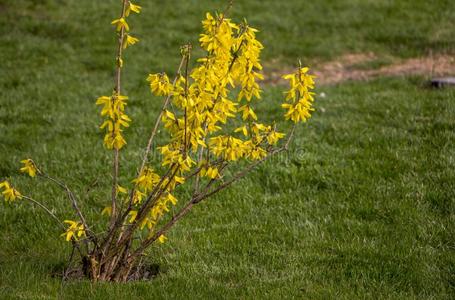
[{"x": 363, "y": 207}]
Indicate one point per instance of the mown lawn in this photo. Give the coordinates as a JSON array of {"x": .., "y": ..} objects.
[{"x": 363, "y": 207}]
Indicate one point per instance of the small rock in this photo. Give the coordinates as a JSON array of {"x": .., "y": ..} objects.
[{"x": 443, "y": 82}]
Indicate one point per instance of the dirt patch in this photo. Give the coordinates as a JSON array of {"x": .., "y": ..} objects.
[
  {"x": 366, "y": 66},
  {"x": 141, "y": 273}
]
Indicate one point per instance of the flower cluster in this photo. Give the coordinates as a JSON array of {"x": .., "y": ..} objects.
[
  {"x": 232, "y": 60},
  {"x": 74, "y": 231},
  {"x": 154, "y": 215},
  {"x": 114, "y": 111},
  {"x": 29, "y": 167},
  {"x": 122, "y": 26},
  {"x": 147, "y": 182},
  {"x": 202, "y": 106},
  {"x": 9, "y": 192},
  {"x": 159, "y": 84},
  {"x": 300, "y": 95}
]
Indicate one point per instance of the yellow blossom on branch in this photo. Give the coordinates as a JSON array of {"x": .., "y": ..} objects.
[
  {"x": 147, "y": 180},
  {"x": 9, "y": 192},
  {"x": 162, "y": 239},
  {"x": 129, "y": 41},
  {"x": 299, "y": 95},
  {"x": 74, "y": 231},
  {"x": 159, "y": 84},
  {"x": 248, "y": 112},
  {"x": 114, "y": 110},
  {"x": 132, "y": 8},
  {"x": 137, "y": 197},
  {"x": 121, "y": 190},
  {"x": 212, "y": 172},
  {"x": 107, "y": 211},
  {"x": 243, "y": 130},
  {"x": 273, "y": 137},
  {"x": 121, "y": 24},
  {"x": 133, "y": 215},
  {"x": 29, "y": 167}
]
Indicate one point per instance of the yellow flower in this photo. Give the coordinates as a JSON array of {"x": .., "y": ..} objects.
[
  {"x": 119, "y": 62},
  {"x": 132, "y": 8},
  {"x": 247, "y": 112},
  {"x": 212, "y": 172},
  {"x": 242, "y": 129},
  {"x": 274, "y": 137},
  {"x": 137, "y": 197},
  {"x": 117, "y": 143},
  {"x": 113, "y": 108},
  {"x": 159, "y": 84},
  {"x": 9, "y": 192},
  {"x": 74, "y": 231},
  {"x": 133, "y": 215},
  {"x": 171, "y": 198},
  {"x": 121, "y": 24},
  {"x": 107, "y": 211},
  {"x": 162, "y": 239},
  {"x": 121, "y": 190},
  {"x": 257, "y": 153},
  {"x": 29, "y": 167},
  {"x": 299, "y": 95},
  {"x": 130, "y": 40},
  {"x": 147, "y": 180}
]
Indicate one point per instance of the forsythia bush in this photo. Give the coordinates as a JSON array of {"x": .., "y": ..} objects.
[{"x": 198, "y": 106}]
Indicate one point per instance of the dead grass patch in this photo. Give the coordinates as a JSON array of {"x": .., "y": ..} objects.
[{"x": 365, "y": 66}]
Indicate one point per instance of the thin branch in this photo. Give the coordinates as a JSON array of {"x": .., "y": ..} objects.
[
  {"x": 237, "y": 176},
  {"x": 228, "y": 7},
  {"x": 118, "y": 76},
  {"x": 290, "y": 136},
  {"x": 71, "y": 197},
  {"x": 45, "y": 209},
  {"x": 163, "y": 230},
  {"x": 70, "y": 260},
  {"x": 188, "y": 56}
]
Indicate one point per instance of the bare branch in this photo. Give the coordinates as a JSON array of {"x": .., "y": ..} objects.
[
  {"x": 50, "y": 213},
  {"x": 71, "y": 197}
]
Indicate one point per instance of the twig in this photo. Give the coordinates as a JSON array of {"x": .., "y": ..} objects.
[
  {"x": 188, "y": 55},
  {"x": 70, "y": 260},
  {"x": 71, "y": 197},
  {"x": 45, "y": 209},
  {"x": 118, "y": 75}
]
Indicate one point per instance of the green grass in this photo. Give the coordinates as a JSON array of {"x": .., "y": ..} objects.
[{"x": 363, "y": 207}]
